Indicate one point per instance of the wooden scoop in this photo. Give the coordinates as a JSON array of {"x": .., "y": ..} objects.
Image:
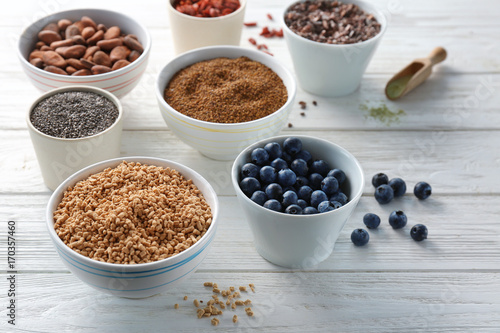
[{"x": 413, "y": 74}]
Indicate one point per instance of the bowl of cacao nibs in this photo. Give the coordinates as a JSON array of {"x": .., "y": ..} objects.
[
  {"x": 297, "y": 193},
  {"x": 94, "y": 47},
  {"x": 220, "y": 99},
  {"x": 199, "y": 23},
  {"x": 133, "y": 226},
  {"x": 331, "y": 43}
]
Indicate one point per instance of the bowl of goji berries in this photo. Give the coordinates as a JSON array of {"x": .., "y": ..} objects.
[{"x": 198, "y": 23}]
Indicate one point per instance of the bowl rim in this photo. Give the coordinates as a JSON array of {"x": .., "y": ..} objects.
[
  {"x": 171, "y": 8},
  {"x": 365, "y": 6},
  {"x": 235, "y": 174},
  {"x": 252, "y": 54},
  {"x": 100, "y": 91},
  {"x": 86, "y": 79},
  {"x": 133, "y": 268}
]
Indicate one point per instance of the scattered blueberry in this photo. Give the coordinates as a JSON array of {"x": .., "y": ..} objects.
[
  {"x": 338, "y": 174},
  {"x": 321, "y": 167},
  {"x": 274, "y": 150},
  {"x": 249, "y": 185},
  {"x": 305, "y": 192},
  {"x": 305, "y": 155},
  {"x": 273, "y": 204},
  {"x": 339, "y": 197},
  {"x": 299, "y": 166},
  {"x": 310, "y": 210},
  {"x": 398, "y": 186},
  {"x": 380, "y": 179},
  {"x": 302, "y": 203},
  {"x": 360, "y": 237},
  {"x": 398, "y": 219},
  {"x": 317, "y": 197},
  {"x": 384, "y": 194},
  {"x": 315, "y": 180},
  {"x": 293, "y": 209},
  {"x": 250, "y": 170},
  {"x": 329, "y": 185},
  {"x": 259, "y": 156},
  {"x": 259, "y": 197},
  {"x": 279, "y": 164},
  {"x": 372, "y": 221},
  {"x": 268, "y": 174},
  {"x": 292, "y": 145},
  {"x": 274, "y": 191},
  {"x": 286, "y": 177},
  {"x": 422, "y": 190},
  {"x": 289, "y": 198},
  {"x": 419, "y": 232}
]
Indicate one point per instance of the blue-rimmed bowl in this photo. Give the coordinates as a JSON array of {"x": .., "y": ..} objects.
[{"x": 137, "y": 280}]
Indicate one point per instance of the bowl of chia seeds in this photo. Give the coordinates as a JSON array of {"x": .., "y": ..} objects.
[
  {"x": 220, "y": 99},
  {"x": 73, "y": 127}
]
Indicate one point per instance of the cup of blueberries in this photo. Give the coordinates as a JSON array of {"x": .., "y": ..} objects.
[{"x": 297, "y": 193}]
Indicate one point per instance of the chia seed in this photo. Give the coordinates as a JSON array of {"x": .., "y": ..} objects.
[{"x": 73, "y": 114}]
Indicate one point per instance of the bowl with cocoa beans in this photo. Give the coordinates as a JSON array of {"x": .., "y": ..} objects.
[{"x": 94, "y": 47}]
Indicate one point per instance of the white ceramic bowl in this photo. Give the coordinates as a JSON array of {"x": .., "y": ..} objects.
[
  {"x": 332, "y": 70},
  {"x": 139, "y": 280},
  {"x": 59, "y": 157},
  {"x": 217, "y": 140},
  {"x": 118, "y": 82},
  {"x": 190, "y": 32},
  {"x": 300, "y": 241}
]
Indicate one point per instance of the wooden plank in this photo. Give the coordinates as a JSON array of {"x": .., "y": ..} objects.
[
  {"x": 312, "y": 302},
  {"x": 458, "y": 239}
]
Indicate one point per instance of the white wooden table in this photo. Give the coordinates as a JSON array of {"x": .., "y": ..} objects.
[{"x": 449, "y": 135}]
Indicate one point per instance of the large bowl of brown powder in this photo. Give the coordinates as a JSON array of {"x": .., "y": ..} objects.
[{"x": 220, "y": 99}]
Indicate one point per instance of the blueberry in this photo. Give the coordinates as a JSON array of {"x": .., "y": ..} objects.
[
  {"x": 289, "y": 198},
  {"x": 317, "y": 197},
  {"x": 249, "y": 185},
  {"x": 339, "y": 197},
  {"x": 310, "y": 210},
  {"x": 250, "y": 170},
  {"x": 273, "y": 204},
  {"x": 335, "y": 204},
  {"x": 338, "y": 174},
  {"x": 422, "y": 190},
  {"x": 301, "y": 181},
  {"x": 372, "y": 221},
  {"x": 384, "y": 194},
  {"x": 419, "y": 232},
  {"x": 286, "y": 157},
  {"x": 398, "y": 186},
  {"x": 398, "y": 219},
  {"x": 327, "y": 206},
  {"x": 268, "y": 174},
  {"x": 279, "y": 164},
  {"x": 259, "y": 197},
  {"x": 304, "y": 193},
  {"x": 259, "y": 156},
  {"x": 329, "y": 185},
  {"x": 360, "y": 237},
  {"x": 274, "y": 150},
  {"x": 315, "y": 180},
  {"x": 380, "y": 179},
  {"x": 274, "y": 191},
  {"x": 292, "y": 145},
  {"x": 289, "y": 188},
  {"x": 299, "y": 166},
  {"x": 286, "y": 177},
  {"x": 293, "y": 209},
  {"x": 305, "y": 155},
  {"x": 321, "y": 167},
  {"x": 302, "y": 203}
]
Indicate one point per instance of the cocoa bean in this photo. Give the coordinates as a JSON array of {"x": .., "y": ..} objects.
[
  {"x": 37, "y": 62},
  {"x": 60, "y": 43},
  {"x": 51, "y": 27},
  {"x": 133, "y": 44},
  {"x": 70, "y": 70},
  {"x": 49, "y": 36},
  {"x": 101, "y": 58},
  {"x": 75, "y": 63},
  {"x": 46, "y": 48},
  {"x": 88, "y": 32},
  {"x": 82, "y": 72},
  {"x": 112, "y": 32},
  {"x": 39, "y": 44},
  {"x": 100, "y": 69},
  {"x": 61, "y": 50},
  {"x": 133, "y": 56},
  {"x": 56, "y": 70},
  {"x": 99, "y": 35},
  {"x": 72, "y": 30},
  {"x": 63, "y": 24},
  {"x": 51, "y": 58},
  {"x": 80, "y": 25},
  {"x": 36, "y": 54},
  {"x": 78, "y": 40},
  {"x": 91, "y": 50},
  {"x": 86, "y": 63},
  {"x": 102, "y": 27},
  {"x": 119, "y": 53},
  {"x": 75, "y": 51},
  {"x": 109, "y": 44},
  {"x": 120, "y": 64},
  {"x": 88, "y": 22}
]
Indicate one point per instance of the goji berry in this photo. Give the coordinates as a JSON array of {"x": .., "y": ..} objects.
[{"x": 206, "y": 8}]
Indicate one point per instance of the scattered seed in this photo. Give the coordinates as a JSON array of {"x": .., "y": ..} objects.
[
  {"x": 196, "y": 303},
  {"x": 302, "y": 104},
  {"x": 208, "y": 284},
  {"x": 185, "y": 298},
  {"x": 242, "y": 288},
  {"x": 235, "y": 319},
  {"x": 290, "y": 125},
  {"x": 303, "y": 114},
  {"x": 250, "y": 24},
  {"x": 315, "y": 103},
  {"x": 215, "y": 321},
  {"x": 176, "y": 306},
  {"x": 216, "y": 290},
  {"x": 239, "y": 302},
  {"x": 269, "y": 16}
]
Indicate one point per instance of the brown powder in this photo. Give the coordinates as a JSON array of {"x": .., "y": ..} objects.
[{"x": 223, "y": 90}]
